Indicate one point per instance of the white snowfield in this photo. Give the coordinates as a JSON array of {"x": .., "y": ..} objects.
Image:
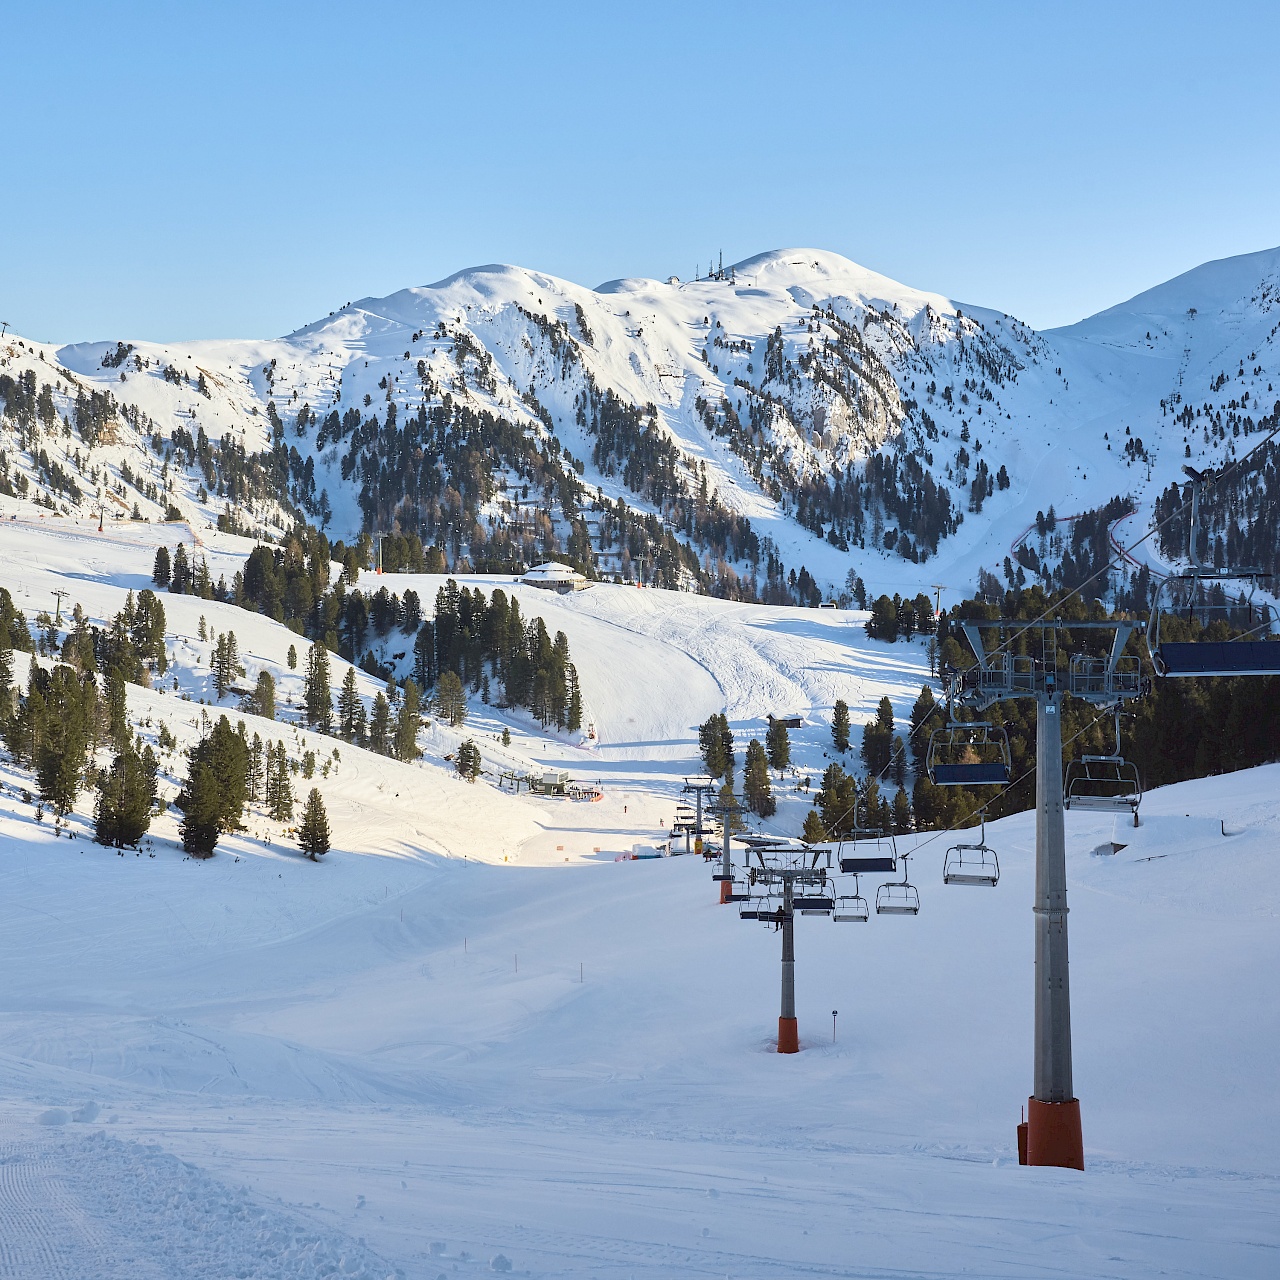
[
  {"x": 946, "y": 384},
  {"x": 467, "y": 1040}
]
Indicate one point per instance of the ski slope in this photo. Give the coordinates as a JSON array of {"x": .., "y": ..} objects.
[
  {"x": 469, "y": 1037},
  {"x": 942, "y": 383}
]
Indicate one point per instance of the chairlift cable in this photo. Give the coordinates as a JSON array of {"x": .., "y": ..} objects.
[
  {"x": 1119, "y": 559},
  {"x": 1115, "y": 562}
]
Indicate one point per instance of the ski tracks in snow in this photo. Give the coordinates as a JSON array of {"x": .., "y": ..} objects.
[{"x": 76, "y": 1206}]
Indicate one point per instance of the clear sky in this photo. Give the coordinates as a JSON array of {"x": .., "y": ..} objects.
[{"x": 216, "y": 170}]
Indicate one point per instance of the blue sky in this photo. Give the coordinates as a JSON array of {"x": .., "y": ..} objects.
[{"x": 238, "y": 170}]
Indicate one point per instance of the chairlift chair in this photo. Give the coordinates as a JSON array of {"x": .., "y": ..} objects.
[
  {"x": 898, "y": 897},
  {"x": 867, "y": 849},
  {"x": 969, "y": 863},
  {"x": 851, "y": 908},
  {"x": 1107, "y": 784},
  {"x": 988, "y": 743},
  {"x": 1254, "y": 653}
]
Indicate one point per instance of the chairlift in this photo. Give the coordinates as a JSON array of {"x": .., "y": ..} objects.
[
  {"x": 969, "y": 753},
  {"x": 898, "y": 897},
  {"x": 970, "y": 863},
  {"x": 851, "y": 908},
  {"x": 1107, "y": 784},
  {"x": 868, "y": 849},
  {"x": 813, "y": 904},
  {"x": 1201, "y": 595}
]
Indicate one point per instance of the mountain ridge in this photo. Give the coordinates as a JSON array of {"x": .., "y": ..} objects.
[{"x": 795, "y": 410}]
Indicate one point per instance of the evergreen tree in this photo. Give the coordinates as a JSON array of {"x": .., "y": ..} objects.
[
  {"x": 380, "y": 724},
  {"x": 778, "y": 745},
  {"x": 224, "y": 755},
  {"x": 837, "y": 802},
  {"x": 201, "y": 811},
  {"x": 281, "y": 805},
  {"x": 226, "y": 663},
  {"x": 262, "y": 701},
  {"x": 62, "y": 714},
  {"x": 715, "y": 738},
  {"x": 313, "y": 832},
  {"x": 6, "y": 677},
  {"x": 901, "y": 812},
  {"x": 840, "y": 725},
  {"x": 125, "y": 796},
  {"x": 468, "y": 762},
  {"x": 756, "y": 788},
  {"x": 117, "y": 708},
  {"x": 877, "y": 740},
  {"x": 406, "y": 741},
  {"x": 350, "y": 710},
  {"x": 292, "y": 658},
  {"x": 573, "y": 717},
  {"x": 315, "y": 688},
  {"x": 450, "y": 700},
  {"x": 814, "y": 832},
  {"x": 254, "y": 775},
  {"x": 180, "y": 580},
  {"x": 160, "y": 573}
]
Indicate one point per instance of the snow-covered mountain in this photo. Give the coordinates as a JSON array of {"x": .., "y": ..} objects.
[{"x": 794, "y": 410}]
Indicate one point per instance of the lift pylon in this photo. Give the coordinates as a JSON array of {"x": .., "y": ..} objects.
[{"x": 1054, "y": 1135}]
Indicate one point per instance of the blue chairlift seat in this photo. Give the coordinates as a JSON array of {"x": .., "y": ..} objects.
[
  {"x": 1216, "y": 658},
  {"x": 973, "y": 738}
]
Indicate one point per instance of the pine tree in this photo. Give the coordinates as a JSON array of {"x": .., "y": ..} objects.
[
  {"x": 262, "y": 701},
  {"x": 313, "y": 832},
  {"x": 407, "y": 723},
  {"x": 380, "y": 724},
  {"x": 160, "y": 573},
  {"x": 840, "y": 725},
  {"x": 254, "y": 773},
  {"x": 292, "y": 658},
  {"x": 281, "y": 787},
  {"x": 223, "y": 755},
  {"x": 180, "y": 581},
  {"x": 814, "y": 832},
  {"x": 315, "y": 688},
  {"x": 757, "y": 790},
  {"x": 778, "y": 746},
  {"x": 125, "y": 796},
  {"x": 573, "y": 717},
  {"x": 451, "y": 701},
  {"x": 716, "y": 740},
  {"x": 468, "y": 762},
  {"x": 350, "y": 710},
  {"x": 901, "y": 812},
  {"x": 201, "y": 812},
  {"x": 62, "y": 724}
]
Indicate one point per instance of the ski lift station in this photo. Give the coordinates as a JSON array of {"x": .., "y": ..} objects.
[{"x": 554, "y": 576}]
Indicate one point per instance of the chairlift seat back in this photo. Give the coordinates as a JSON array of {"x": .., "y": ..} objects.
[
  {"x": 992, "y": 773},
  {"x": 1217, "y": 658},
  {"x": 852, "y": 865}
]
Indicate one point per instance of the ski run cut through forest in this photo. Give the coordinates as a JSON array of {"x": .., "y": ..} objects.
[{"x": 521, "y": 778}]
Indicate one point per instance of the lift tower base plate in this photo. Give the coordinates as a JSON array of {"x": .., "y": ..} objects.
[
  {"x": 1053, "y": 1134},
  {"x": 788, "y": 1035},
  {"x": 726, "y": 890}
]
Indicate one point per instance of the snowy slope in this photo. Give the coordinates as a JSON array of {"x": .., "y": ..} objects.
[{"x": 787, "y": 370}]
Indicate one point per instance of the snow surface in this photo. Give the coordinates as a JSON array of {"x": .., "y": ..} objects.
[
  {"x": 1057, "y": 418},
  {"x": 466, "y": 1036}
]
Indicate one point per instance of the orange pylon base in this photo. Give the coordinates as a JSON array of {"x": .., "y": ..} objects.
[
  {"x": 726, "y": 888},
  {"x": 788, "y": 1035},
  {"x": 1053, "y": 1134}
]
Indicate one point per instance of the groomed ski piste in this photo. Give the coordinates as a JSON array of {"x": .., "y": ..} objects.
[{"x": 470, "y": 1040}]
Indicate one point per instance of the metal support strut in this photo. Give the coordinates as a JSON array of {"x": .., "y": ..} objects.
[
  {"x": 1053, "y": 1119},
  {"x": 788, "y": 1028}
]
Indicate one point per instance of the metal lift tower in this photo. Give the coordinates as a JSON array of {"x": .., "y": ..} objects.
[{"x": 1053, "y": 1133}]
